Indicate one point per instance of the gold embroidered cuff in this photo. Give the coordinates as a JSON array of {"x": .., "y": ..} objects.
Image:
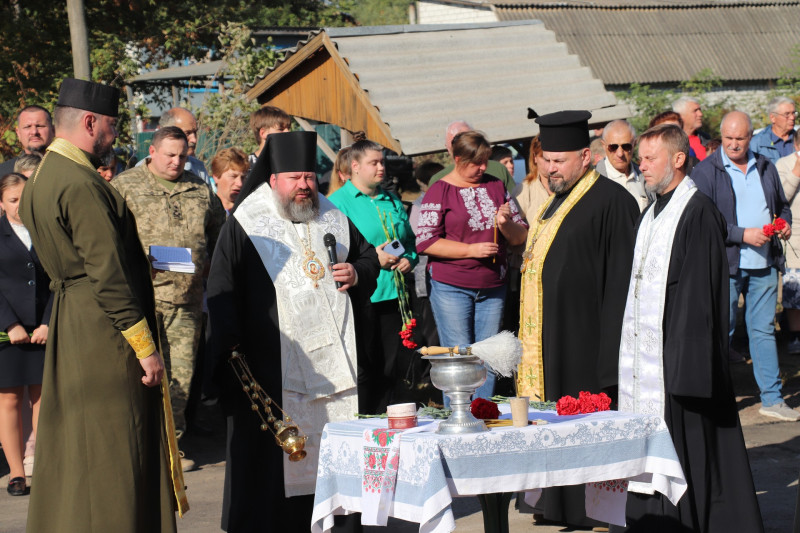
[{"x": 140, "y": 339}]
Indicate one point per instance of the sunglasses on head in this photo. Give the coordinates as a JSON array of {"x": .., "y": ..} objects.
[{"x": 627, "y": 147}]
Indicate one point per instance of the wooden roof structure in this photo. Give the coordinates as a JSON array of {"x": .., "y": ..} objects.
[{"x": 402, "y": 85}]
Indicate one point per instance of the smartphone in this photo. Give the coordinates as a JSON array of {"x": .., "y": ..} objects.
[{"x": 394, "y": 248}]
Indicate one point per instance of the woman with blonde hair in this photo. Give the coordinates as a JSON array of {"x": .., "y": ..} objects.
[
  {"x": 340, "y": 173},
  {"x": 535, "y": 188}
]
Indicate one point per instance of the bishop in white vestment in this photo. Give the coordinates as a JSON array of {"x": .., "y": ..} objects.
[{"x": 273, "y": 296}]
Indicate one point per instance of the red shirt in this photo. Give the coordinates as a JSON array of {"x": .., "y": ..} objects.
[{"x": 465, "y": 214}]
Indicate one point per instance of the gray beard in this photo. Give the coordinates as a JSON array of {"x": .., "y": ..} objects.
[
  {"x": 658, "y": 188},
  {"x": 560, "y": 186},
  {"x": 293, "y": 212}
]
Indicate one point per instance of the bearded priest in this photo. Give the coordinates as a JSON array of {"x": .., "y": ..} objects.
[
  {"x": 574, "y": 278},
  {"x": 673, "y": 359},
  {"x": 274, "y": 297}
]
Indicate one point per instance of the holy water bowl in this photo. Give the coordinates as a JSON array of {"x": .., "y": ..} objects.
[{"x": 458, "y": 376}]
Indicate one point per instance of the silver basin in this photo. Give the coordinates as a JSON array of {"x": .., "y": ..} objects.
[{"x": 458, "y": 376}]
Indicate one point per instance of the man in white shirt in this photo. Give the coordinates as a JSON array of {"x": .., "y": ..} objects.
[{"x": 618, "y": 141}]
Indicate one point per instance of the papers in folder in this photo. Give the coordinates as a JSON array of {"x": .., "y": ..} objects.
[{"x": 172, "y": 259}]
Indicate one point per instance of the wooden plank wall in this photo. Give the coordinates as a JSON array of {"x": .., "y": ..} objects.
[{"x": 321, "y": 89}]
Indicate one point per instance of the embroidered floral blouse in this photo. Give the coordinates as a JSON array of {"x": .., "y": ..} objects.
[{"x": 465, "y": 214}]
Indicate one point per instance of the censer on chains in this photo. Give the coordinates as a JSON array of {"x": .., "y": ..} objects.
[{"x": 287, "y": 434}]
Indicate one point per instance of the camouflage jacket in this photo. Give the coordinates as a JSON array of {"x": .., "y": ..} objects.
[{"x": 189, "y": 216}]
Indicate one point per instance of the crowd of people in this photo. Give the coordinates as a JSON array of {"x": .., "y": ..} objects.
[{"x": 620, "y": 274}]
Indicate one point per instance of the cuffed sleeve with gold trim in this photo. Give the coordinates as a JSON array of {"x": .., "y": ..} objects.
[{"x": 140, "y": 339}]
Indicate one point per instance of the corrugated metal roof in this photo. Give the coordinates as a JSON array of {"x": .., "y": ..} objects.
[
  {"x": 626, "y": 41},
  {"x": 421, "y": 78},
  {"x": 185, "y": 72}
]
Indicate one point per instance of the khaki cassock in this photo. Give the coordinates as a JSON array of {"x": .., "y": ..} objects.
[{"x": 102, "y": 459}]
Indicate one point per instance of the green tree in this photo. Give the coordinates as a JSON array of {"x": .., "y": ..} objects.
[
  {"x": 649, "y": 102},
  {"x": 224, "y": 116},
  {"x": 377, "y": 12},
  {"x": 125, "y": 36}
]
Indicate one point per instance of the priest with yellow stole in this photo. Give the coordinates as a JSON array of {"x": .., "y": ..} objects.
[{"x": 574, "y": 282}]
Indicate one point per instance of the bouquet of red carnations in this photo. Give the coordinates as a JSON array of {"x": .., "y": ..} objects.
[
  {"x": 775, "y": 229},
  {"x": 777, "y": 226},
  {"x": 585, "y": 403}
]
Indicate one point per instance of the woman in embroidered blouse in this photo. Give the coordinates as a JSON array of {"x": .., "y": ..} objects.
[
  {"x": 466, "y": 224},
  {"x": 25, "y": 302}
]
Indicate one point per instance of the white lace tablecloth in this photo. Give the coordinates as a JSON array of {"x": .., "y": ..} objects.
[{"x": 569, "y": 450}]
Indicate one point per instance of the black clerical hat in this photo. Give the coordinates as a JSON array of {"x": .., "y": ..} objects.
[
  {"x": 564, "y": 131},
  {"x": 294, "y": 151},
  {"x": 89, "y": 96}
]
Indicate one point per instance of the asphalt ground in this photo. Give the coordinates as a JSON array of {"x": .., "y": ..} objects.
[{"x": 773, "y": 448}]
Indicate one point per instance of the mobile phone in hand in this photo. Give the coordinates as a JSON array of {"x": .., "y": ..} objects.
[{"x": 394, "y": 248}]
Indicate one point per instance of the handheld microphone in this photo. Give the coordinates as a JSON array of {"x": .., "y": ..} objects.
[{"x": 330, "y": 245}]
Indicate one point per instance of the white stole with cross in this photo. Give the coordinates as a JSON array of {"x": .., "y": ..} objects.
[
  {"x": 318, "y": 348},
  {"x": 641, "y": 354}
]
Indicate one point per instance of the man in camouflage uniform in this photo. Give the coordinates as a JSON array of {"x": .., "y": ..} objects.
[{"x": 175, "y": 208}]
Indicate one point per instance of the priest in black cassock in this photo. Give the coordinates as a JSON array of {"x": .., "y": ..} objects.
[
  {"x": 574, "y": 281},
  {"x": 674, "y": 351},
  {"x": 273, "y": 297}
]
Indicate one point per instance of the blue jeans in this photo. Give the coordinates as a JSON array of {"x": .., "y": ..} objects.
[
  {"x": 465, "y": 316},
  {"x": 760, "y": 290}
]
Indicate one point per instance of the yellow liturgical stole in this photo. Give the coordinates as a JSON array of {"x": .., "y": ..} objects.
[
  {"x": 530, "y": 377},
  {"x": 75, "y": 154}
]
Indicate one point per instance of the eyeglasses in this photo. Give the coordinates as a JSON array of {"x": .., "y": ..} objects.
[
  {"x": 627, "y": 147},
  {"x": 788, "y": 114}
]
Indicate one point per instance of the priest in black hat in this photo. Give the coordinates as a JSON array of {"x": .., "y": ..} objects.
[
  {"x": 103, "y": 460},
  {"x": 274, "y": 296},
  {"x": 574, "y": 284}
]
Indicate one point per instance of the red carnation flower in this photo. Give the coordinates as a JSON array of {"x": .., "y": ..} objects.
[
  {"x": 567, "y": 405},
  {"x": 482, "y": 408},
  {"x": 769, "y": 230},
  {"x": 780, "y": 224},
  {"x": 585, "y": 402},
  {"x": 601, "y": 401}
]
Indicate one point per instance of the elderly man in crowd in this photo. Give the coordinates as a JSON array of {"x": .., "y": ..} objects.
[
  {"x": 574, "y": 279},
  {"x": 692, "y": 115},
  {"x": 618, "y": 140},
  {"x": 34, "y": 132},
  {"x": 673, "y": 354},
  {"x": 173, "y": 207},
  {"x": 747, "y": 190},
  {"x": 789, "y": 172},
  {"x": 777, "y": 140}
]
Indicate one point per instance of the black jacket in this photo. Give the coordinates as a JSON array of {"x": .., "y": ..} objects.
[{"x": 25, "y": 295}]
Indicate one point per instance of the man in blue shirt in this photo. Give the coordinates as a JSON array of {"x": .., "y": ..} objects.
[
  {"x": 777, "y": 140},
  {"x": 746, "y": 189}
]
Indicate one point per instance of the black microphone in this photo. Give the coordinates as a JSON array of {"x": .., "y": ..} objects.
[{"x": 330, "y": 244}]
